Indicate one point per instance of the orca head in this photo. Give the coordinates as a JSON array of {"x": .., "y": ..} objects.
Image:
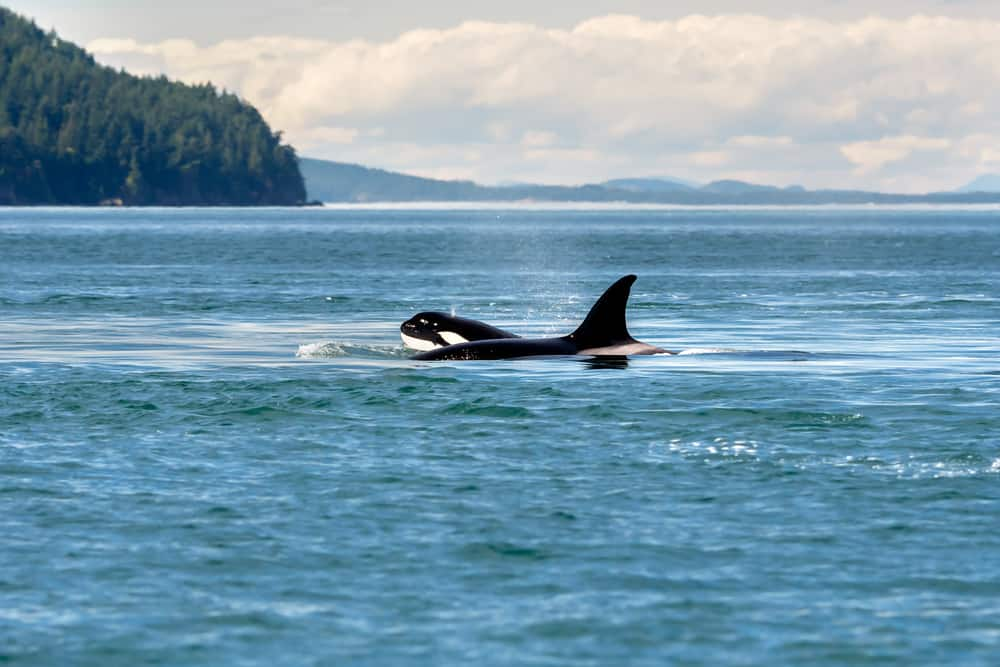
[{"x": 428, "y": 330}]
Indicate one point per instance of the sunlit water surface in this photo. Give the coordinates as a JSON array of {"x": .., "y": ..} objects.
[{"x": 213, "y": 449}]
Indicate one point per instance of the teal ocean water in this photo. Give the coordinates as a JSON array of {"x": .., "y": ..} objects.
[{"x": 213, "y": 449}]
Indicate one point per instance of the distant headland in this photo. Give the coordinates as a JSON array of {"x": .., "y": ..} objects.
[
  {"x": 338, "y": 182},
  {"x": 75, "y": 132}
]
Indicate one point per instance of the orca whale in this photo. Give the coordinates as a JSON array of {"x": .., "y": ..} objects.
[
  {"x": 428, "y": 330},
  {"x": 602, "y": 333}
]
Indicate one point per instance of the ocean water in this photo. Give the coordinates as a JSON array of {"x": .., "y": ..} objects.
[{"x": 214, "y": 451}]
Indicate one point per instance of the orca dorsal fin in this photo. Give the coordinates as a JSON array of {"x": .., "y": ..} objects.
[{"x": 605, "y": 323}]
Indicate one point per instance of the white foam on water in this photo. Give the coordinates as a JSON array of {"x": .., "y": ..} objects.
[
  {"x": 317, "y": 350},
  {"x": 334, "y": 350},
  {"x": 907, "y": 468},
  {"x": 713, "y": 448}
]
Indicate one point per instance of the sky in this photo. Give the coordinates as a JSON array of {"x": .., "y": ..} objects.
[{"x": 897, "y": 96}]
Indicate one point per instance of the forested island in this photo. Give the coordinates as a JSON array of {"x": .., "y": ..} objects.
[{"x": 75, "y": 132}]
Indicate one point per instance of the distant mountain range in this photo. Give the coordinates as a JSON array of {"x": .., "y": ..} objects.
[
  {"x": 650, "y": 185},
  {"x": 985, "y": 183},
  {"x": 334, "y": 182}
]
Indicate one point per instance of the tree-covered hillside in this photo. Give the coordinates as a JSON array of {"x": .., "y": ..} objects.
[{"x": 75, "y": 132}]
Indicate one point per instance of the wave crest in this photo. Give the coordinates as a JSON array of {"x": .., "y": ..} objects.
[{"x": 335, "y": 349}]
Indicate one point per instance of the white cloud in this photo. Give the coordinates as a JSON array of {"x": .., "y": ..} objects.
[
  {"x": 756, "y": 141},
  {"x": 709, "y": 158},
  {"x": 872, "y": 155},
  {"x": 538, "y": 139},
  {"x": 858, "y": 103},
  {"x": 331, "y": 135}
]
